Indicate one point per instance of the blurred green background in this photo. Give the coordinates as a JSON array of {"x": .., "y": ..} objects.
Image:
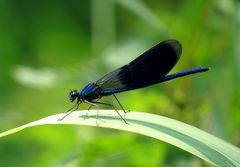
[{"x": 50, "y": 47}]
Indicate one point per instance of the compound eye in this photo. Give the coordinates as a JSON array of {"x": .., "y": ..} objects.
[{"x": 72, "y": 95}]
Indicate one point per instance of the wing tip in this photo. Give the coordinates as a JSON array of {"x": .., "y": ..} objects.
[{"x": 176, "y": 46}]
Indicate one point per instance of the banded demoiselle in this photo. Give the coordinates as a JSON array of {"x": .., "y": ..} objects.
[{"x": 149, "y": 68}]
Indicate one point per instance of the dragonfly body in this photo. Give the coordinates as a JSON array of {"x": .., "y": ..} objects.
[
  {"x": 91, "y": 92},
  {"x": 148, "y": 69}
]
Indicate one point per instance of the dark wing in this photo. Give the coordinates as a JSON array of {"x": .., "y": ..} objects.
[{"x": 145, "y": 70}]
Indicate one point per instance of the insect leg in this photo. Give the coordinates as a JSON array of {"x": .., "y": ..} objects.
[
  {"x": 89, "y": 107},
  {"x": 69, "y": 112},
  {"x": 120, "y": 104},
  {"x": 93, "y": 104},
  {"x": 112, "y": 107},
  {"x": 70, "y": 109}
]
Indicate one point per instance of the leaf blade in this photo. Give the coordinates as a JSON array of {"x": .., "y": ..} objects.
[{"x": 186, "y": 137}]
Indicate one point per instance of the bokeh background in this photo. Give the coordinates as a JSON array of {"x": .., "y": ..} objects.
[{"x": 50, "y": 47}]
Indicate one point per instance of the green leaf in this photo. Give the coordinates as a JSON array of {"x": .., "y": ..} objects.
[{"x": 186, "y": 137}]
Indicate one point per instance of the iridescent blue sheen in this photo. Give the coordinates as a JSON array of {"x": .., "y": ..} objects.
[
  {"x": 148, "y": 69},
  {"x": 90, "y": 92}
]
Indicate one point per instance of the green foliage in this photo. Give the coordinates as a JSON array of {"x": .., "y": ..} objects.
[{"x": 50, "y": 47}]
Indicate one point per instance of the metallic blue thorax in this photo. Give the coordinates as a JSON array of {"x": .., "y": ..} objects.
[{"x": 90, "y": 92}]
